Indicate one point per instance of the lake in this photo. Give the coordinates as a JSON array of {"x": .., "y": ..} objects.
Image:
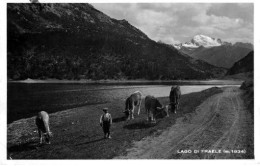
[{"x": 25, "y": 100}]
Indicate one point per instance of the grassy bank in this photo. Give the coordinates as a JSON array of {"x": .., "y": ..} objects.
[
  {"x": 248, "y": 96},
  {"x": 77, "y": 133}
]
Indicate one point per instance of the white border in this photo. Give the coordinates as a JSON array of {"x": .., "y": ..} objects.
[{"x": 3, "y": 83}]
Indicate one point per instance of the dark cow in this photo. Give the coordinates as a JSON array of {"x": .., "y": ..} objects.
[
  {"x": 175, "y": 96},
  {"x": 135, "y": 99},
  {"x": 153, "y": 107},
  {"x": 42, "y": 123}
]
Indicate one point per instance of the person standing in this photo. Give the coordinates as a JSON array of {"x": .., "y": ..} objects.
[{"x": 106, "y": 122}]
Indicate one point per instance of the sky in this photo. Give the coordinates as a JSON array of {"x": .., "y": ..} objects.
[{"x": 174, "y": 23}]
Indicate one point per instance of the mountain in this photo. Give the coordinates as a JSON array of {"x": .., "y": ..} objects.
[
  {"x": 74, "y": 41},
  {"x": 205, "y": 41},
  {"x": 214, "y": 51},
  {"x": 200, "y": 40},
  {"x": 244, "y": 45},
  {"x": 222, "y": 56},
  {"x": 244, "y": 65}
]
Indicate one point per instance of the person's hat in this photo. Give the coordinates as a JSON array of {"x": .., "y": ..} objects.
[{"x": 105, "y": 109}]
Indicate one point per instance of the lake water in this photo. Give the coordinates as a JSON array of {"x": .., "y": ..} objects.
[{"x": 25, "y": 100}]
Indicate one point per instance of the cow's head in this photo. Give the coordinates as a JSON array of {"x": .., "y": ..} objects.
[
  {"x": 47, "y": 137},
  {"x": 164, "y": 109},
  {"x": 173, "y": 87},
  {"x": 178, "y": 87}
]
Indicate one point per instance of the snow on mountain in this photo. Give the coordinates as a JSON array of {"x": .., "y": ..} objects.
[
  {"x": 190, "y": 45},
  {"x": 178, "y": 46},
  {"x": 200, "y": 40}
]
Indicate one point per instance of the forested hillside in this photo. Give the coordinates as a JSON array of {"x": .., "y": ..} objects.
[
  {"x": 76, "y": 41},
  {"x": 244, "y": 65}
]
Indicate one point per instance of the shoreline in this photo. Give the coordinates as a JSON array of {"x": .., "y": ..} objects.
[
  {"x": 132, "y": 82},
  {"x": 60, "y": 106}
]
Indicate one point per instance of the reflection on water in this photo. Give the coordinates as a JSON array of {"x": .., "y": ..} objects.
[{"x": 24, "y": 100}]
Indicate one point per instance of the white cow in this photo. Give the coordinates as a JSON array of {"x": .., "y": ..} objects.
[
  {"x": 135, "y": 99},
  {"x": 42, "y": 123}
]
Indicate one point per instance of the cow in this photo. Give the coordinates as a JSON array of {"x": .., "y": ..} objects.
[
  {"x": 133, "y": 100},
  {"x": 42, "y": 123},
  {"x": 175, "y": 96},
  {"x": 153, "y": 107}
]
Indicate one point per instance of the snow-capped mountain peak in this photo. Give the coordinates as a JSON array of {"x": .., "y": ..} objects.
[
  {"x": 200, "y": 40},
  {"x": 205, "y": 41}
]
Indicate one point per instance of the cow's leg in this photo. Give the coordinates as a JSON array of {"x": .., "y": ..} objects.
[
  {"x": 132, "y": 111},
  {"x": 147, "y": 111},
  {"x": 139, "y": 108},
  {"x": 172, "y": 107},
  {"x": 167, "y": 112},
  {"x": 178, "y": 104},
  {"x": 177, "y": 107},
  {"x": 129, "y": 115},
  {"x": 40, "y": 135},
  {"x": 153, "y": 118}
]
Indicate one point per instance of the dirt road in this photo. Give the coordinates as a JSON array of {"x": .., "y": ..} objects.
[{"x": 217, "y": 129}]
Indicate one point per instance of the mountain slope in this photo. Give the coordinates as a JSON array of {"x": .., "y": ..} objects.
[
  {"x": 244, "y": 65},
  {"x": 222, "y": 56},
  {"x": 214, "y": 51},
  {"x": 73, "y": 41}
]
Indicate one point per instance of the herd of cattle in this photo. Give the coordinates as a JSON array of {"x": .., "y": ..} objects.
[{"x": 152, "y": 107}]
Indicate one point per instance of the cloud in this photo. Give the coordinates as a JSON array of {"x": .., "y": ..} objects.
[
  {"x": 243, "y": 11},
  {"x": 179, "y": 22}
]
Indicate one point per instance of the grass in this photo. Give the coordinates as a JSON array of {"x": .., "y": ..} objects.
[{"x": 77, "y": 134}]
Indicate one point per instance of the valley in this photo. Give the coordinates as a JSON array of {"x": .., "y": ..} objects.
[{"x": 73, "y": 59}]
